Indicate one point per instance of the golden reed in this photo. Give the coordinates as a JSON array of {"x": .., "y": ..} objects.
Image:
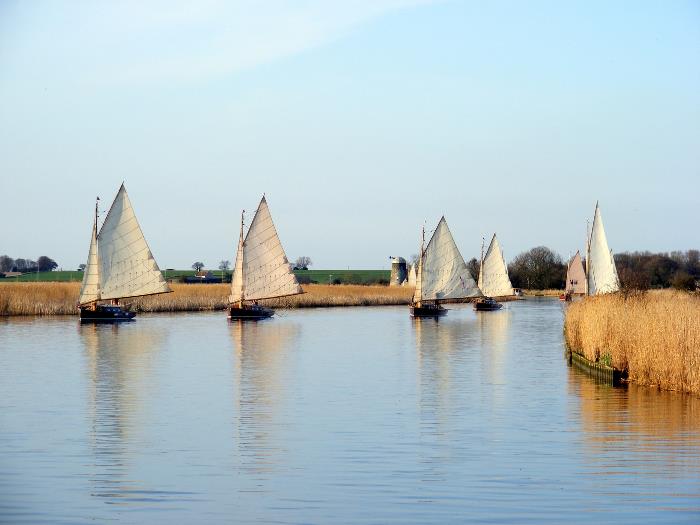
[
  {"x": 655, "y": 336},
  {"x": 61, "y": 298}
]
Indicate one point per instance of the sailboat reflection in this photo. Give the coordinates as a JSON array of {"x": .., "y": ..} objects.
[
  {"x": 443, "y": 358},
  {"x": 637, "y": 430},
  {"x": 119, "y": 363},
  {"x": 262, "y": 352},
  {"x": 494, "y": 331}
]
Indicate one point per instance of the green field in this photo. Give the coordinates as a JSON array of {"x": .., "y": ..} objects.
[
  {"x": 45, "y": 277},
  {"x": 344, "y": 276},
  {"x": 74, "y": 275},
  {"x": 305, "y": 276}
]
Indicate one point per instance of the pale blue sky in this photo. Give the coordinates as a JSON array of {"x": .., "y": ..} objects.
[{"x": 359, "y": 119}]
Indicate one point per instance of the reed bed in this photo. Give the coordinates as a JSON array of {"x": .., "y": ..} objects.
[
  {"x": 319, "y": 295},
  {"x": 53, "y": 298},
  {"x": 654, "y": 337},
  {"x": 550, "y": 292},
  {"x": 38, "y": 298}
]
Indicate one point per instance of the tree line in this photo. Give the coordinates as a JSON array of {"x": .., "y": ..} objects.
[
  {"x": 302, "y": 263},
  {"x": 541, "y": 268},
  {"x": 42, "y": 264},
  {"x": 644, "y": 270}
]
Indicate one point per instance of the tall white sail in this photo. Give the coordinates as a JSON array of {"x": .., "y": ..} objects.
[
  {"x": 237, "y": 277},
  {"x": 418, "y": 292},
  {"x": 90, "y": 289},
  {"x": 493, "y": 275},
  {"x": 602, "y": 273},
  {"x": 443, "y": 274},
  {"x": 127, "y": 267},
  {"x": 265, "y": 268}
]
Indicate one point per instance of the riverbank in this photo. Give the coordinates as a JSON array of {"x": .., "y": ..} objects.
[
  {"x": 61, "y": 298},
  {"x": 654, "y": 337},
  {"x": 551, "y": 292}
]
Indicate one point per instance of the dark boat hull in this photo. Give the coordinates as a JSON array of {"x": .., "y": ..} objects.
[
  {"x": 428, "y": 310},
  {"x": 105, "y": 314},
  {"x": 250, "y": 312},
  {"x": 487, "y": 305}
]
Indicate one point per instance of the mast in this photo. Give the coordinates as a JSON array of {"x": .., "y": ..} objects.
[
  {"x": 587, "y": 268},
  {"x": 241, "y": 252},
  {"x": 481, "y": 264},
  {"x": 418, "y": 292},
  {"x": 90, "y": 287},
  {"x": 420, "y": 264},
  {"x": 237, "y": 278}
]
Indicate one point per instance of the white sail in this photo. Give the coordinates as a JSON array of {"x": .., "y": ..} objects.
[
  {"x": 127, "y": 267},
  {"x": 493, "y": 274},
  {"x": 265, "y": 268},
  {"x": 237, "y": 277},
  {"x": 90, "y": 289},
  {"x": 442, "y": 272},
  {"x": 418, "y": 291},
  {"x": 602, "y": 273},
  {"x": 412, "y": 274},
  {"x": 575, "y": 275}
]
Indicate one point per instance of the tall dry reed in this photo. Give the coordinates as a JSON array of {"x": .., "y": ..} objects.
[
  {"x": 654, "y": 337},
  {"x": 317, "y": 295},
  {"x": 38, "y": 298},
  {"x": 61, "y": 298}
]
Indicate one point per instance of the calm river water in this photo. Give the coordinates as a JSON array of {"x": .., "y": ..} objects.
[{"x": 347, "y": 415}]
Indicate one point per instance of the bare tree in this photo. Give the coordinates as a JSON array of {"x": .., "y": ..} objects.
[
  {"x": 25, "y": 265},
  {"x": 6, "y": 263},
  {"x": 413, "y": 259},
  {"x": 197, "y": 266},
  {"x": 224, "y": 265},
  {"x": 303, "y": 263}
]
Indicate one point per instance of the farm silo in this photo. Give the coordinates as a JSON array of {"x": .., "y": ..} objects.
[{"x": 398, "y": 271}]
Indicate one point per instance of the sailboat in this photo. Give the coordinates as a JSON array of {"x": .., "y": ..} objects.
[
  {"x": 262, "y": 270},
  {"x": 442, "y": 274},
  {"x": 575, "y": 278},
  {"x": 601, "y": 274},
  {"x": 120, "y": 265},
  {"x": 493, "y": 277}
]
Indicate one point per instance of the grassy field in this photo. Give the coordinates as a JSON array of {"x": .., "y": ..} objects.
[
  {"x": 654, "y": 337},
  {"x": 61, "y": 298},
  {"x": 317, "y": 276},
  {"x": 345, "y": 276},
  {"x": 61, "y": 277}
]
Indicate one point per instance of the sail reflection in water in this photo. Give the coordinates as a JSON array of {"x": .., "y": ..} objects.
[
  {"x": 119, "y": 364},
  {"x": 638, "y": 433},
  {"x": 262, "y": 352},
  {"x": 444, "y": 351},
  {"x": 494, "y": 331}
]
